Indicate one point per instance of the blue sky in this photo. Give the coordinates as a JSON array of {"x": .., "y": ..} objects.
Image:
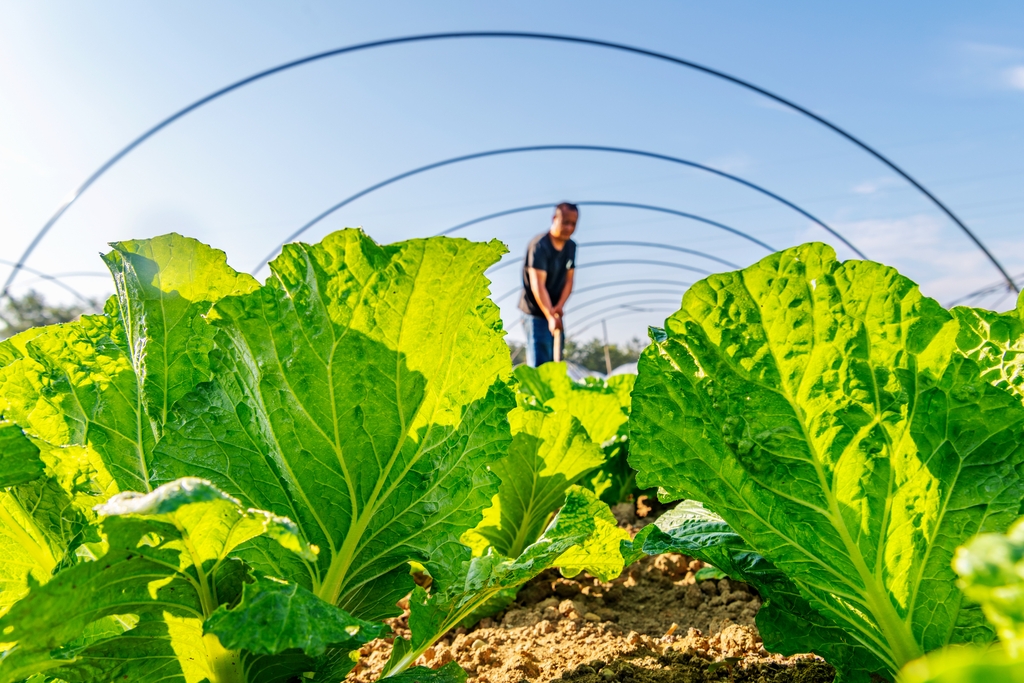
[{"x": 939, "y": 87}]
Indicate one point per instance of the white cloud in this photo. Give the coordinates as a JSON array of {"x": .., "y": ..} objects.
[
  {"x": 732, "y": 163},
  {"x": 1014, "y": 77},
  {"x": 873, "y": 186},
  {"x": 993, "y": 67},
  {"x": 923, "y": 247},
  {"x": 991, "y": 50}
]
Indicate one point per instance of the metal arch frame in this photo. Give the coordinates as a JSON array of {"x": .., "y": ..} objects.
[
  {"x": 575, "y": 335},
  {"x": 622, "y": 294},
  {"x": 978, "y": 293},
  {"x": 610, "y": 243},
  {"x": 629, "y": 205},
  {"x": 596, "y": 315},
  {"x": 616, "y": 262},
  {"x": 632, "y": 307},
  {"x": 519, "y": 287},
  {"x": 549, "y": 148},
  {"x": 70, "y": 273},
  {"x": 507, "y": 294},
  {"x": 528, "y": 35},
  {"x": 660, "y": 245},
  {"x": 647, "y": 262},
  {"x": 55, "y": 279},
  {"x": 616, "y": 283}
]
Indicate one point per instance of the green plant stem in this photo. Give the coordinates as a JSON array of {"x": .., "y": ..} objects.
[
  {"x": 449, "y": 624},
  {"x": 330, "y": 589},
  {"x": 225, "y": 665}
]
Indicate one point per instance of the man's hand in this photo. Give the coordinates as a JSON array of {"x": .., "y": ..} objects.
[
  {"x": 557, "y": 310},
  {"x": 554, "y": 322}
]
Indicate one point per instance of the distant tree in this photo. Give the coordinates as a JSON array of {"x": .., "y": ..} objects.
[
  {"x": 591, "y": 354},
  {"x": 18, "y": 314},
  {"x": 517, "y": 350}
]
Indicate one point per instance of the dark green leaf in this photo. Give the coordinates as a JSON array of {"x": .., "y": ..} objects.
[
  {"x": 486, "y": 576},
  {"x": 275, "y": 616},
  {"x": 449, "y": 673},
  {"x": 709, "y": 573},
  {"x": 827, "y": 412},
  {"x": 19, "y": 457},
  {"x": 167, "y": 560}
]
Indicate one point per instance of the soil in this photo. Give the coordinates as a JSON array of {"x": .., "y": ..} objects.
[{"x": 653, "y": 624}]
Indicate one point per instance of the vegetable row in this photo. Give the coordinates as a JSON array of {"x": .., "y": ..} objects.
[{"x": 223, "y": 481}]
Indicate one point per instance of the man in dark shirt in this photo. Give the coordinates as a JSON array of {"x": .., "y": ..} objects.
[{"x": 547, "y": 283}]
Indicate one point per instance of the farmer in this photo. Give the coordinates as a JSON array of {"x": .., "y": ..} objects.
[{"x": 547, "y": 284}]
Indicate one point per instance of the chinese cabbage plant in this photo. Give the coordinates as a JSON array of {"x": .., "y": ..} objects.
[
  {"x": 991, "y": 570},
  {"x": 538, "y": 518},
  {"x": 602, "y": 407},
  {"x": 786, "y": 622},
  {"x": 558, "y": 428},
  {"x": 850, "y": 433},
  {"x": 226, "y": 481}
]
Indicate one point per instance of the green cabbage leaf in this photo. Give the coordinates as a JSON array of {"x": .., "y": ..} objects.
[
  {"x": 38, "y": 521},
  {"x": 558, "y": 430},
  {"x": 582, "y": 536},
  {"x": 991, "y": 570},
  {"x": 168, "y": 567},
  {"x": 360, "y": 395},
  {"x": 831, "y": 415},
  {"x": 601, "y": 406},
  {"x": 786, "y": 621}
]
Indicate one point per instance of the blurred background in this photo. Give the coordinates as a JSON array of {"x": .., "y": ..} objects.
[{"x": 937, "y": 87}]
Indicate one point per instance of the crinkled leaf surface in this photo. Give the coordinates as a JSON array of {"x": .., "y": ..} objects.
[
  {"x": 358, "y": 392},
  {"x": 275, "y": 616},
  {"x": 602, "y": 407},
  {"x": 550, "y": 452},
  {"x": 483, "y": 577},
  {"x": 996, "y": 342},
  {"x": 991, "y": 569},
  {"x": 19, "y": 457},
  {"x": 73, "y": 390},
  {"x": 786, "y": 621},
  {"x": 600, "y": 553},
  {"x": 167, "y": 559},
  {"x": 164, "y": 288},
  {"x": 38, "y": 522},
  {"x": 94, "y": 394},
  {"x": 39, "y": 526},
  {"x": 825, "y": 411}
]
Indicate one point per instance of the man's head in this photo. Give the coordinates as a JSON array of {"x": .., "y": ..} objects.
[{"x": 563, "y": 223}]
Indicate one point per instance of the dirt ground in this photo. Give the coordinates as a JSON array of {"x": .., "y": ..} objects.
[{"x": 653, "y": 624}]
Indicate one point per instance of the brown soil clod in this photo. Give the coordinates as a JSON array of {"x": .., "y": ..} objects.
[{"x": 653, "y": 624}]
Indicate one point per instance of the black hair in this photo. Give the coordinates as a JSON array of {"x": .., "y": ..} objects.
[{"x": 567, "y": 206}]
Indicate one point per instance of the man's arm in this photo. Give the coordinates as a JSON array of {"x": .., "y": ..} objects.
[
  {"x": 566, "y": 291},
  {"x": 538, "y": 278}
]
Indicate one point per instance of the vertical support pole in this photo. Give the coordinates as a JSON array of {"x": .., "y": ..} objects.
[{"x": 607, "y": 356}]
